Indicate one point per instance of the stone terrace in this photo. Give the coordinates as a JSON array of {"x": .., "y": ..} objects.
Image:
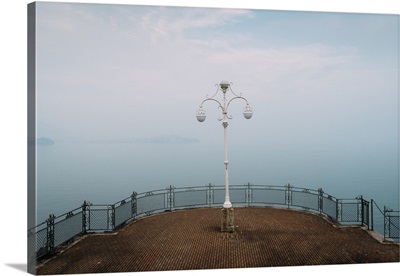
[{"x": 191, "y": 239}]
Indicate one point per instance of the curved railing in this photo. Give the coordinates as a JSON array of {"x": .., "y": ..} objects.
[{"x": 45, "y": 237}]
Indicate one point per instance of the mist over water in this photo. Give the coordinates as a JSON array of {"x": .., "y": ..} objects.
[{"x": 105, "y": 173}]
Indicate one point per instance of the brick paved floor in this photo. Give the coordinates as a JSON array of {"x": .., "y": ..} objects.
[{"x": 191, "y": 239}]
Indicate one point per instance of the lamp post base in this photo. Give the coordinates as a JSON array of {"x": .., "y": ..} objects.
[{"x": 227, "y": 220}]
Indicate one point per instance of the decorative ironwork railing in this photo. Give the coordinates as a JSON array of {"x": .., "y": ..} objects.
[
  {"x": 45, "y": 237},
  {"x": 392, "y": 224}
]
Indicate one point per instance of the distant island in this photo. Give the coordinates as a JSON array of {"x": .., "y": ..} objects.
[
  {"x": 43, "y": 141},
  {"x": 166, "y": 139}
]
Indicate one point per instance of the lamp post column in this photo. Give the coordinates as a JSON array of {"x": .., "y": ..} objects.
[
  {"x": 227, "y": 203},
  {"x": 227, "y": 210},
  {"x": 227, "y": 222},
  {"x": 224, "y": 87}
]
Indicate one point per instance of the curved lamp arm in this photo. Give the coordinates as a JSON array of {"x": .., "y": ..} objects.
[
  {"x": 224, "y": 86},
  {"x": 247, "y": 111},
  {"x": 201, "y": 113}
]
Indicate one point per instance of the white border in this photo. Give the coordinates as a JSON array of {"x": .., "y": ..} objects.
[{"x": 13, "y": 121}]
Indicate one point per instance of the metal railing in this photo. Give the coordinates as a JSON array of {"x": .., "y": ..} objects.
[
  {"x": 354, "y": 210},
  {"x": 45, "y": 237},
  {"x": 391, "y": 222}
]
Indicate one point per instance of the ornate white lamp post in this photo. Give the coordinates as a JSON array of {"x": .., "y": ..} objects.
[{"x": 224, "y": 86}]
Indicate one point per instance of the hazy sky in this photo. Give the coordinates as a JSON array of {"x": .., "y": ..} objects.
[
  {"x": 323, "y": 86},
  {"x": 119, "y": 71}
]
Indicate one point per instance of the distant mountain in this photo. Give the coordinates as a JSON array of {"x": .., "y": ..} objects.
[
  {"x": 164, "y": 139},
  {"x": 43, "y": 141},
  {"x": 167, "y": 139},
  {"x": 57, "y": 133}
]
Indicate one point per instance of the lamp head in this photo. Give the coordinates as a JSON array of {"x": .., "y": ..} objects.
[
  {"x": 200, "y": 114},
  {"x": 224, "y": 86},
  {"x": 248, "y": 112}
]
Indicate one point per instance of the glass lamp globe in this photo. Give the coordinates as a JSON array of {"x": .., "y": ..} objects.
[
  {"x": 224, "y": 85},
  {"x": 200, "y": 115},
  {"x": 248, "y": 112}
]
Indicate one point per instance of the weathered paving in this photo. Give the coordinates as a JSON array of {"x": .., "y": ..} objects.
[{"x": 191, "y": 239}]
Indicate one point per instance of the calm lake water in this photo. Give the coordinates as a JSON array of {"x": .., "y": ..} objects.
[{"x": 105, "y": 173}]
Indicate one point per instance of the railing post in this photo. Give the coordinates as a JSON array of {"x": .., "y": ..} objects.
[
  {"x": 337, "y": 210},
  {"x": 84, "y": 217},
  {"x": 372, "y": 214},
  {"x": 210, "y": 195},
  {"x": 387, "y": 222},
  {"x": 362, "y": 210},
  {"x": 366, "y": 209},
  {"x": 170, "y": 196},
  {"x": 384, "y": 223},
  {"x": 133, "y": 205},
  {"x": 288, "y": 194},
  {"x": 50, "y": 233},
  {"x": 249, "y": 194},
  {"x": 359, "y": 217},
  {"x": 320, "y": 200},
  {"x": 113, "y": 217}
]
